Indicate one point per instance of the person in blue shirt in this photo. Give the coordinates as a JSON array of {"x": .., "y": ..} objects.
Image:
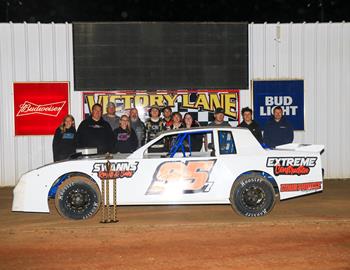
[{"x": 278, "y": 130}]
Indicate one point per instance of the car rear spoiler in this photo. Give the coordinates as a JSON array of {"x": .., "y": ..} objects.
[{"x": 316, "y": 148}]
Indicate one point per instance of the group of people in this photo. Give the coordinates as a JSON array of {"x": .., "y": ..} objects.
[
  {"x": 113, "y": 134},
  {"x": 277, "y": 131}
]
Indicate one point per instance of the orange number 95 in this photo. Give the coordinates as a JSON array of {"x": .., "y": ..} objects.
[{"x": 190, "y": 177}]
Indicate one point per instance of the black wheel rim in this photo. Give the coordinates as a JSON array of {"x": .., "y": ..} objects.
[
  {"x": 253, "y": 197},
  {"x": 78, "y": 200}
]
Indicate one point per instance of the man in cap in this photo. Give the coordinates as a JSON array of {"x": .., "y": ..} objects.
[
  {"x": 219, "y": 118},
  {"x": 224, "y": 139},
  {"x": 110, "y": 117}
]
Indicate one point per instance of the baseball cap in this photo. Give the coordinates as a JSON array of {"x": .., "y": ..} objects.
[
  {"x": 219, "y": 110},
  {"x": 154, "y": 107}
]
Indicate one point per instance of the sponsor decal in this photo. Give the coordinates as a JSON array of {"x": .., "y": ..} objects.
[
  {"x": 273, "y": 101},
  {"x": 51, "y": 109},
  {"x": 185, "y": 177},
  {"x": 289, "y": 94},
  {"x": 300, "y": 187},
  {"x": 113, "y": 170},
  {"x": 291, "y": 165},
  {"x": 39, "y": 107}
]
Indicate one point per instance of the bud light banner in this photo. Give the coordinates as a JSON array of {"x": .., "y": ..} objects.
[
  {"x": 289, "y": 94},
  {"x": 39, "y": 107}
]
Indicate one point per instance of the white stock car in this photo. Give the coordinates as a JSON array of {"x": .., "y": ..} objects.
[{"x": 208, "y": 165}]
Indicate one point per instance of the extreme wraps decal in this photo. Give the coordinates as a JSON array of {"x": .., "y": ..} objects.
[
  {"x": 291, "y": 165},
  {"x": 185, "y": 177},
  {"x": 300, "y": 187},
  {"x": 116, "y": 170}
]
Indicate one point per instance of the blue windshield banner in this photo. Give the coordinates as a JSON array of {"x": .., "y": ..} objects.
[{"x": 289, "y": 94}]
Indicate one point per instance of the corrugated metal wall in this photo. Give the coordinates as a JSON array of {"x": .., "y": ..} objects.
[
  {"x": 30, "y": 52},
  {"x": 317, "y": 53}
]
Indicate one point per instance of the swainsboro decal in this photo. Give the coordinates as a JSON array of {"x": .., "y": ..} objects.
[
  {"x": 291, "y": 165},
  {"x": 185, "y": 177},
  {"x": 116, "y": 170},
  {"x": 300, "y": 187}
]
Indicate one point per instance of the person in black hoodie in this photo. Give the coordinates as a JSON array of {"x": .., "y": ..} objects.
[
  {"x": 249, "y": 123},
  {"x": 64, "y": 142},
  {"x": 125, "y": 137},
  {"x": 278, "y": 130},
  {"x": 96, "y": 132}
]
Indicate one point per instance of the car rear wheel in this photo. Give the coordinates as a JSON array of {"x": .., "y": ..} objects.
[
  {"x": 77, "y": 198},
  {"x": 252, "y": 195}
]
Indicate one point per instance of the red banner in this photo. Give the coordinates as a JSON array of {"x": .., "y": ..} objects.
[{"x": 39, "y": 107}]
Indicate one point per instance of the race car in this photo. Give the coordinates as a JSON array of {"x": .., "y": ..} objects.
[{"x": 205, "y": 165}]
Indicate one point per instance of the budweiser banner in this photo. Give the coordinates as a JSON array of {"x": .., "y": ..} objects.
[
  {"x": 39, "y": 107},
  {"x": 200, "y": 103}
]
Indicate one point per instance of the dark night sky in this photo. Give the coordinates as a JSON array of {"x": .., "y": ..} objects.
[{"x": 174, "y": 10}]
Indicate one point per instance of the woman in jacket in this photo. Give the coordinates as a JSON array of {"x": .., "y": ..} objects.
[
  {"x": 64, "y": 142},
  {"x": 125, "y": 136}
]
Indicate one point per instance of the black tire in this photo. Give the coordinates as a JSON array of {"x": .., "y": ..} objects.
[
  {"x": 78, "y": 198},
  {"x": 252, "y": 195}
]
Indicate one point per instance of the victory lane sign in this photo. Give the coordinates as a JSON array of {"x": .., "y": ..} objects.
[{"x": 204, "y": 101}]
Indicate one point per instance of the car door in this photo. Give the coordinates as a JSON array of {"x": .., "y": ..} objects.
[{"x": 239, "y": 153}]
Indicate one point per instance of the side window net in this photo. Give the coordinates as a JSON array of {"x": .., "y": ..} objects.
[{"x": 226, "y": 143}]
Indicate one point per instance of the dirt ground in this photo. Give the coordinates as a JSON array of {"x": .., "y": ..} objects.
[{"x": 310, "y": 232}]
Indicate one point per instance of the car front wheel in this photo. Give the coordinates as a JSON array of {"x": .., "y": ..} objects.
[{"x": 77, "y": 198}]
